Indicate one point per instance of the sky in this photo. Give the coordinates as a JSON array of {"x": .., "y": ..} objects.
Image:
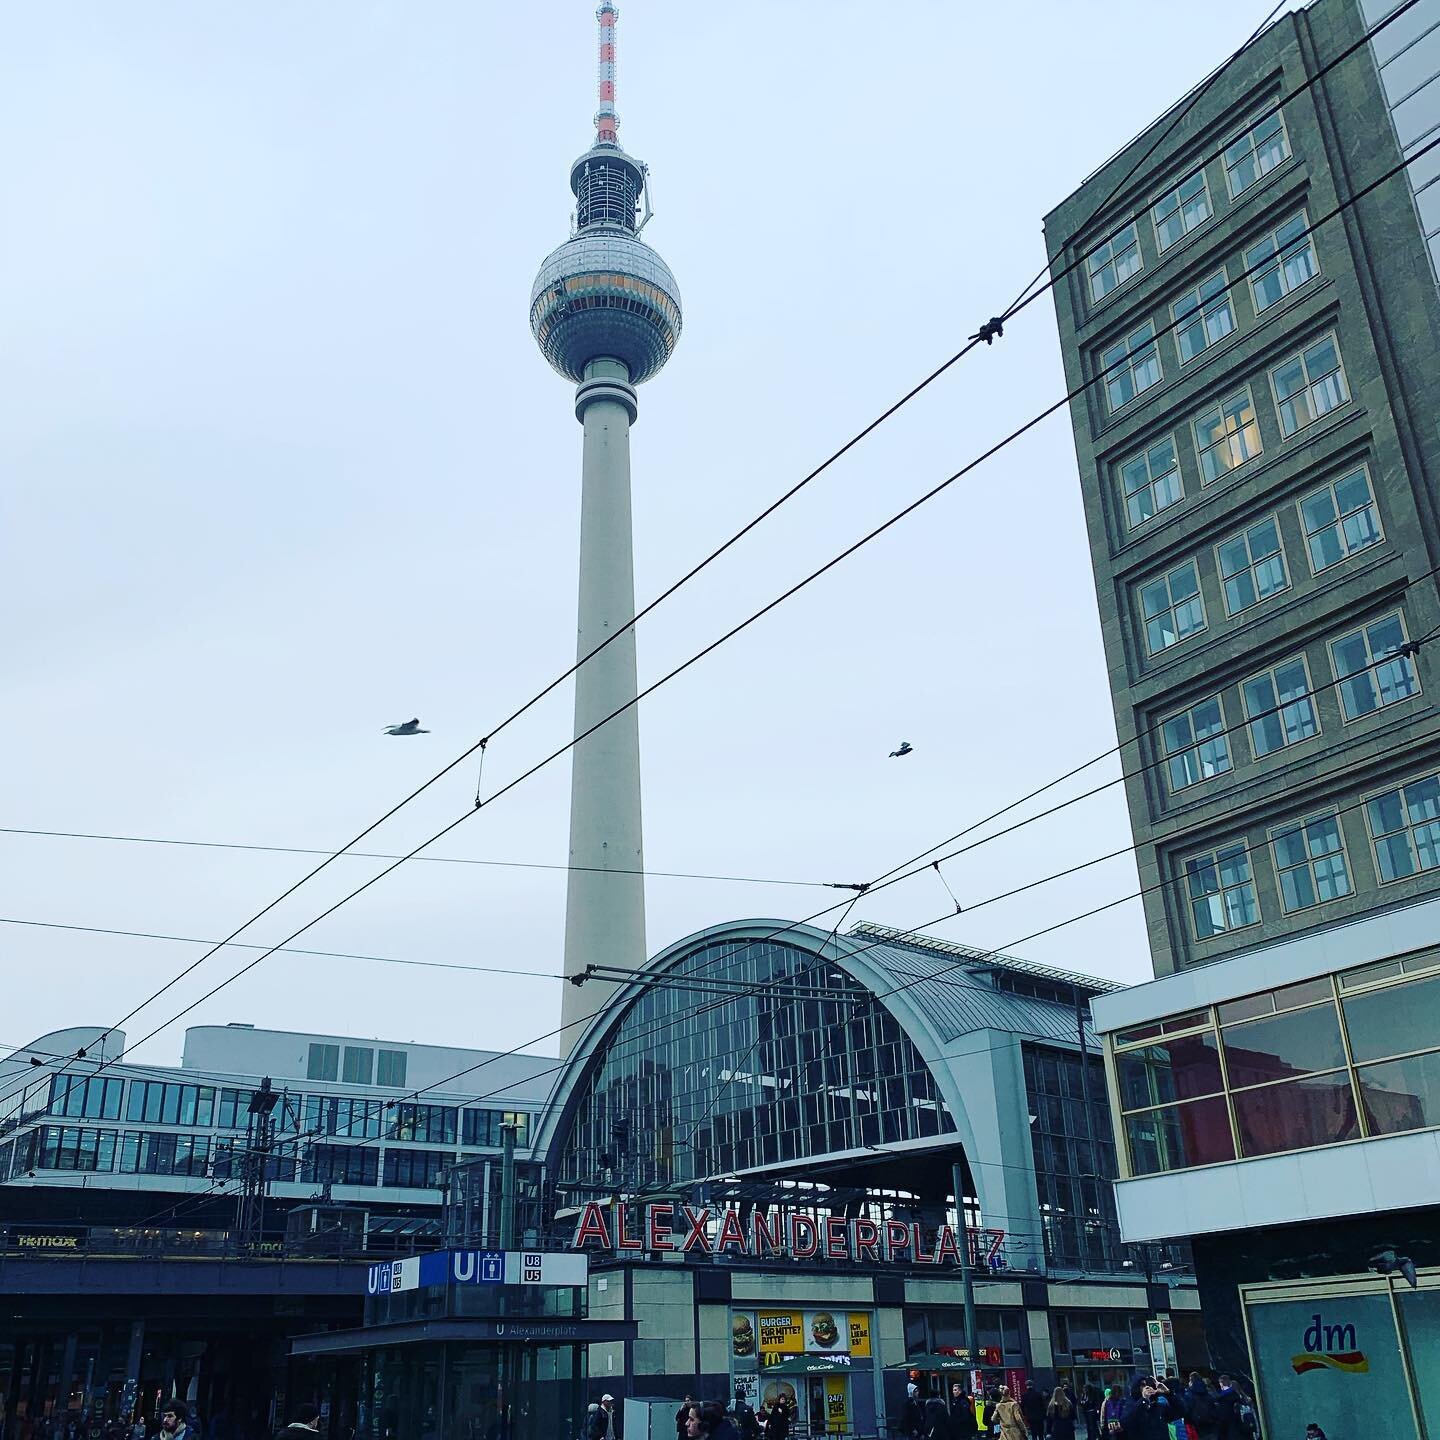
[{"x": 282, "y": 465}]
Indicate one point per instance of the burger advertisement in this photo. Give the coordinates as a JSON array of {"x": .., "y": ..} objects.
[{"x": 777, "y": 1335}]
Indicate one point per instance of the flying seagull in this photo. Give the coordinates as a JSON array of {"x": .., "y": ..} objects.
[
  {"x": 905, "y": 748},
  {"x": 1387, "y": 1262},
  {"x": 408, "y": 727}
]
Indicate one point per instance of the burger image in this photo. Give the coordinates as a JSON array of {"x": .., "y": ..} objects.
[
  {"x": 778, "y": 1390},
  {"x": 823, "y": 1328},
  {"x": 742, "y": 1336}
]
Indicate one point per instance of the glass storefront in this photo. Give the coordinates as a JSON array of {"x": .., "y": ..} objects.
[{"x": 1348, "y": 1355}]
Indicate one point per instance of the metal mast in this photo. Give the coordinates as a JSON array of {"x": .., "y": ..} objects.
[
  {"x": 255, "y": 1167},
  {"x": 605, "y": 311}
]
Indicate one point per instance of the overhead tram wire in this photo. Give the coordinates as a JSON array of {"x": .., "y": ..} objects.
[
  {"x": 794, "y": 589},
  {"x": 758, "y": 519},
  {"x": 427, "y": 859}
]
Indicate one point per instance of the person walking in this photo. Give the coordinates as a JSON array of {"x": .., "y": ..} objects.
[
  {"x": 743, "y": 1414},
  {"x": 1060, "y": 1416},
  {"x": 912, "y": 1416},
  {"x": 777, "y": 1421},
  {"x": 600, "y": 1420},
  {"x": 172, "y": 1422},
  {"x": 1090, "y": 1407},
  {"x": 682, "y": 1415},
  {"x": 936, "y": 1423},
  {"x": 1147, "y": 1415},
  {"x": 1202, "y": 1412},
  {"x": 1009, "y": 1415},
  {"x": 1032, "y": 1407},
  {"x": 1112, "y": 1408},
  {"x": 715, "y": 1424},
  {"x": 962, "y": 1414},
  {"x": 304, "y": 1424}
]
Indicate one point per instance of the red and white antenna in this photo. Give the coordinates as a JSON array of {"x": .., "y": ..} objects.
[{"x": 607, "y": 122}]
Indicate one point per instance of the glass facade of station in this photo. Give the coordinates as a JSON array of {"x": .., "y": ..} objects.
[{"x": 811, "y": 1065}]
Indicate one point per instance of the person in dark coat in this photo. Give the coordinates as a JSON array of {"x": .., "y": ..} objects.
[
  {"x": 936, "y": 1422},
  {"x": 304, "y": 1424},
  {"x": 912, "y": 1416},
  {"x": 1060, "y": 1416},
  {"x": 1032, "y": 1407},
  {"x": 715, "y": 1424},
  {"x": 1145, "y": 1417},
  {"x": 963, "y": 1423},
  {"x": 683, "y": 1414}
]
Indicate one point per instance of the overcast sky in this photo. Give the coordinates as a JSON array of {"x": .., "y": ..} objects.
[{"x": 282, "y": 465}]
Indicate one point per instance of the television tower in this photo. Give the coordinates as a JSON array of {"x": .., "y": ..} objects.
[{"x": 605, "y": 311}]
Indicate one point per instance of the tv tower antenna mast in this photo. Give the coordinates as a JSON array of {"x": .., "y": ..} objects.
[{"x": 605, "y": 311}]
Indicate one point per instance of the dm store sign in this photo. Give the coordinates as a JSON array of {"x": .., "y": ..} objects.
[{"x": 1335, "y": 1361}]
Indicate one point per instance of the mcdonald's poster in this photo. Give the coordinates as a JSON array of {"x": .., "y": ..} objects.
[{"x": 837, "y": 1403}]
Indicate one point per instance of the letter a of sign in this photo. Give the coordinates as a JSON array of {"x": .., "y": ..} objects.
[
  {"x": 591, "y": 1227},
  {"x": 730, "y": 1231}
]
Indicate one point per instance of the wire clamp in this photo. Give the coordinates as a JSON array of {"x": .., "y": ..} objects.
[{"x": 991, "y": 331}]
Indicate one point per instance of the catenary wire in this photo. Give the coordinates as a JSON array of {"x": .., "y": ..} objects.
[
  {"x": 885, "y": 415},
  {"x": 428, "y": 859},
  {"x": 865, "y": 539}
]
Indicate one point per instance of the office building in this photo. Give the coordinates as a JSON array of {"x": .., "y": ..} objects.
[{"x": 1260, "y": 467}]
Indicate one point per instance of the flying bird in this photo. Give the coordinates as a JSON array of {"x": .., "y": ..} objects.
[
  {"x": 905, "y": 748},
  {"x": 408, "y": 727},
  {"x": 1387, "y": 1262}
]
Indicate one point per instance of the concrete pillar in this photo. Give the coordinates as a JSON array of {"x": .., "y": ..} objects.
[{"x": 604, "y": 913}]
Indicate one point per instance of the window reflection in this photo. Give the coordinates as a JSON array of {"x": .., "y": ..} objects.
[
  {"x": 1316, "y": 1111},
  {"x": 1279, "y": 1047}
]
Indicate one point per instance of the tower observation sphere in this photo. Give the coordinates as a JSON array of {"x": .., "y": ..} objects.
[{"x": 605, "y": 312}]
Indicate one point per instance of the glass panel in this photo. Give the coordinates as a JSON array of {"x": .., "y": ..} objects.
[
  {"x": 1173, "y": 1070},
  {"x": 1178, "y": 1137},
  {"x": 1276, "y": 1047},
  {"x": 1401, "y": 1095},
  {"x": 1297, "y": 1116},
  {"x": 1394, "y": 1021}
]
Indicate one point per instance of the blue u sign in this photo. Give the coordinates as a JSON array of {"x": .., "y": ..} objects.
[{"x": 478, "y": 1267}]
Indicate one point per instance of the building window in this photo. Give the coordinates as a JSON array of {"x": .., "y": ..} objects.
[
  {"x": 432, "y": 1124},
  {"x": 341, "y": 1165},
  {"x": 74, "y": 1147},
  {"x": 162, "y": 1153},
  {"x": 1291, "y": 257},
  {"x": 1172, "y": 608},
  {"x": 92, "y": 1097},
  {"x": 482, "y": 1127},
  {"x": 359, "y": 1064},
  {"x": 1309, "y": 385},
  {"x": 1195, "y": 745},
  {"x": 1221, "y": 885},
  {"x": 1252, "y": 566},
  {"x": 417, "y": 1169},
  {"x": 1370, "y": 668},
  {"x": 1310, "y": 861},
  {"x": 1203, "y": 316},
  {"x": 1178, "y": 213},
  {"x": 1152, "y": 482},
  {"x": 1130, "y": 367},
  {"x": 1227, "y": 436},
  {"x": 1110, "y": 265},
  {"x": 390, "y": 1068},
  {"x": 1280, "y": 707},
  {"x": 1255, "y": 154},
  {"x": 1405, "y": 829},
  {"x": 324, "y": 1062},
  {"x": 1339, "y": 520},
  {"x": 155, "y": 1102}
]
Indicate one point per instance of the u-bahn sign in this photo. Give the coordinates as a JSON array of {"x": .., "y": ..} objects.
[
  {"x": 478, "y": 1267},
  {"x": 712, "y": 1230}
]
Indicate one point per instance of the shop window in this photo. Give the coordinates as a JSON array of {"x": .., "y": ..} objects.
[
  {"x": 1179, "y": 1136},
  {"x": 1182, "y": 1069},
  {"x": 1400, "y": 1095},
  {"x": 1397, "y": 1020},
  {"x": 1280, "y": 1047},
  {"x": 1298, "y": 1115}
]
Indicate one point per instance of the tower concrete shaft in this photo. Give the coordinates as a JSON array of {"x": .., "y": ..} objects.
[{"x": 605, "y": 901}]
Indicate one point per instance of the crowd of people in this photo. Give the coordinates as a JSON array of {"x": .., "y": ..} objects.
[{"x": 1154, "y": 1408}]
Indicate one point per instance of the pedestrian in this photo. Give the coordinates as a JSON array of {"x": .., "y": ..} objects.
[
  {"x": 304, "y": 1423},
  {"x": 1236, "y": 1412},
  {"x": 1202, "y": 1412},
  {"x": 1147, "y": 1416},
  {"x": 1112, "y": 1408},
  {"x": 744, "y": 1416},
  {"x": 1060, "y": 1416},
  {"x": 682, "y": 1415},
  {"x": 937, "y": 1421},
  {"x": 1009, "y": 1416},
  {"x": 1090, "y": 1406},
  {"x": 172, "y": 1421},
  {"x": 694, "y": 1426},
  {"x": 1032, "y": 1407},
  {"x": 715, "y": 1424},
  {"x": 600, "y": 1420},
  {"x": 962, "y": 1414},
  {"x": 777, "y": 1422},
  {"x": 912, "y": 1416}
]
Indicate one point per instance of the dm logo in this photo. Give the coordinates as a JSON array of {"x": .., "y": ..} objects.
[{"x": 1330, "y": 1347}]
